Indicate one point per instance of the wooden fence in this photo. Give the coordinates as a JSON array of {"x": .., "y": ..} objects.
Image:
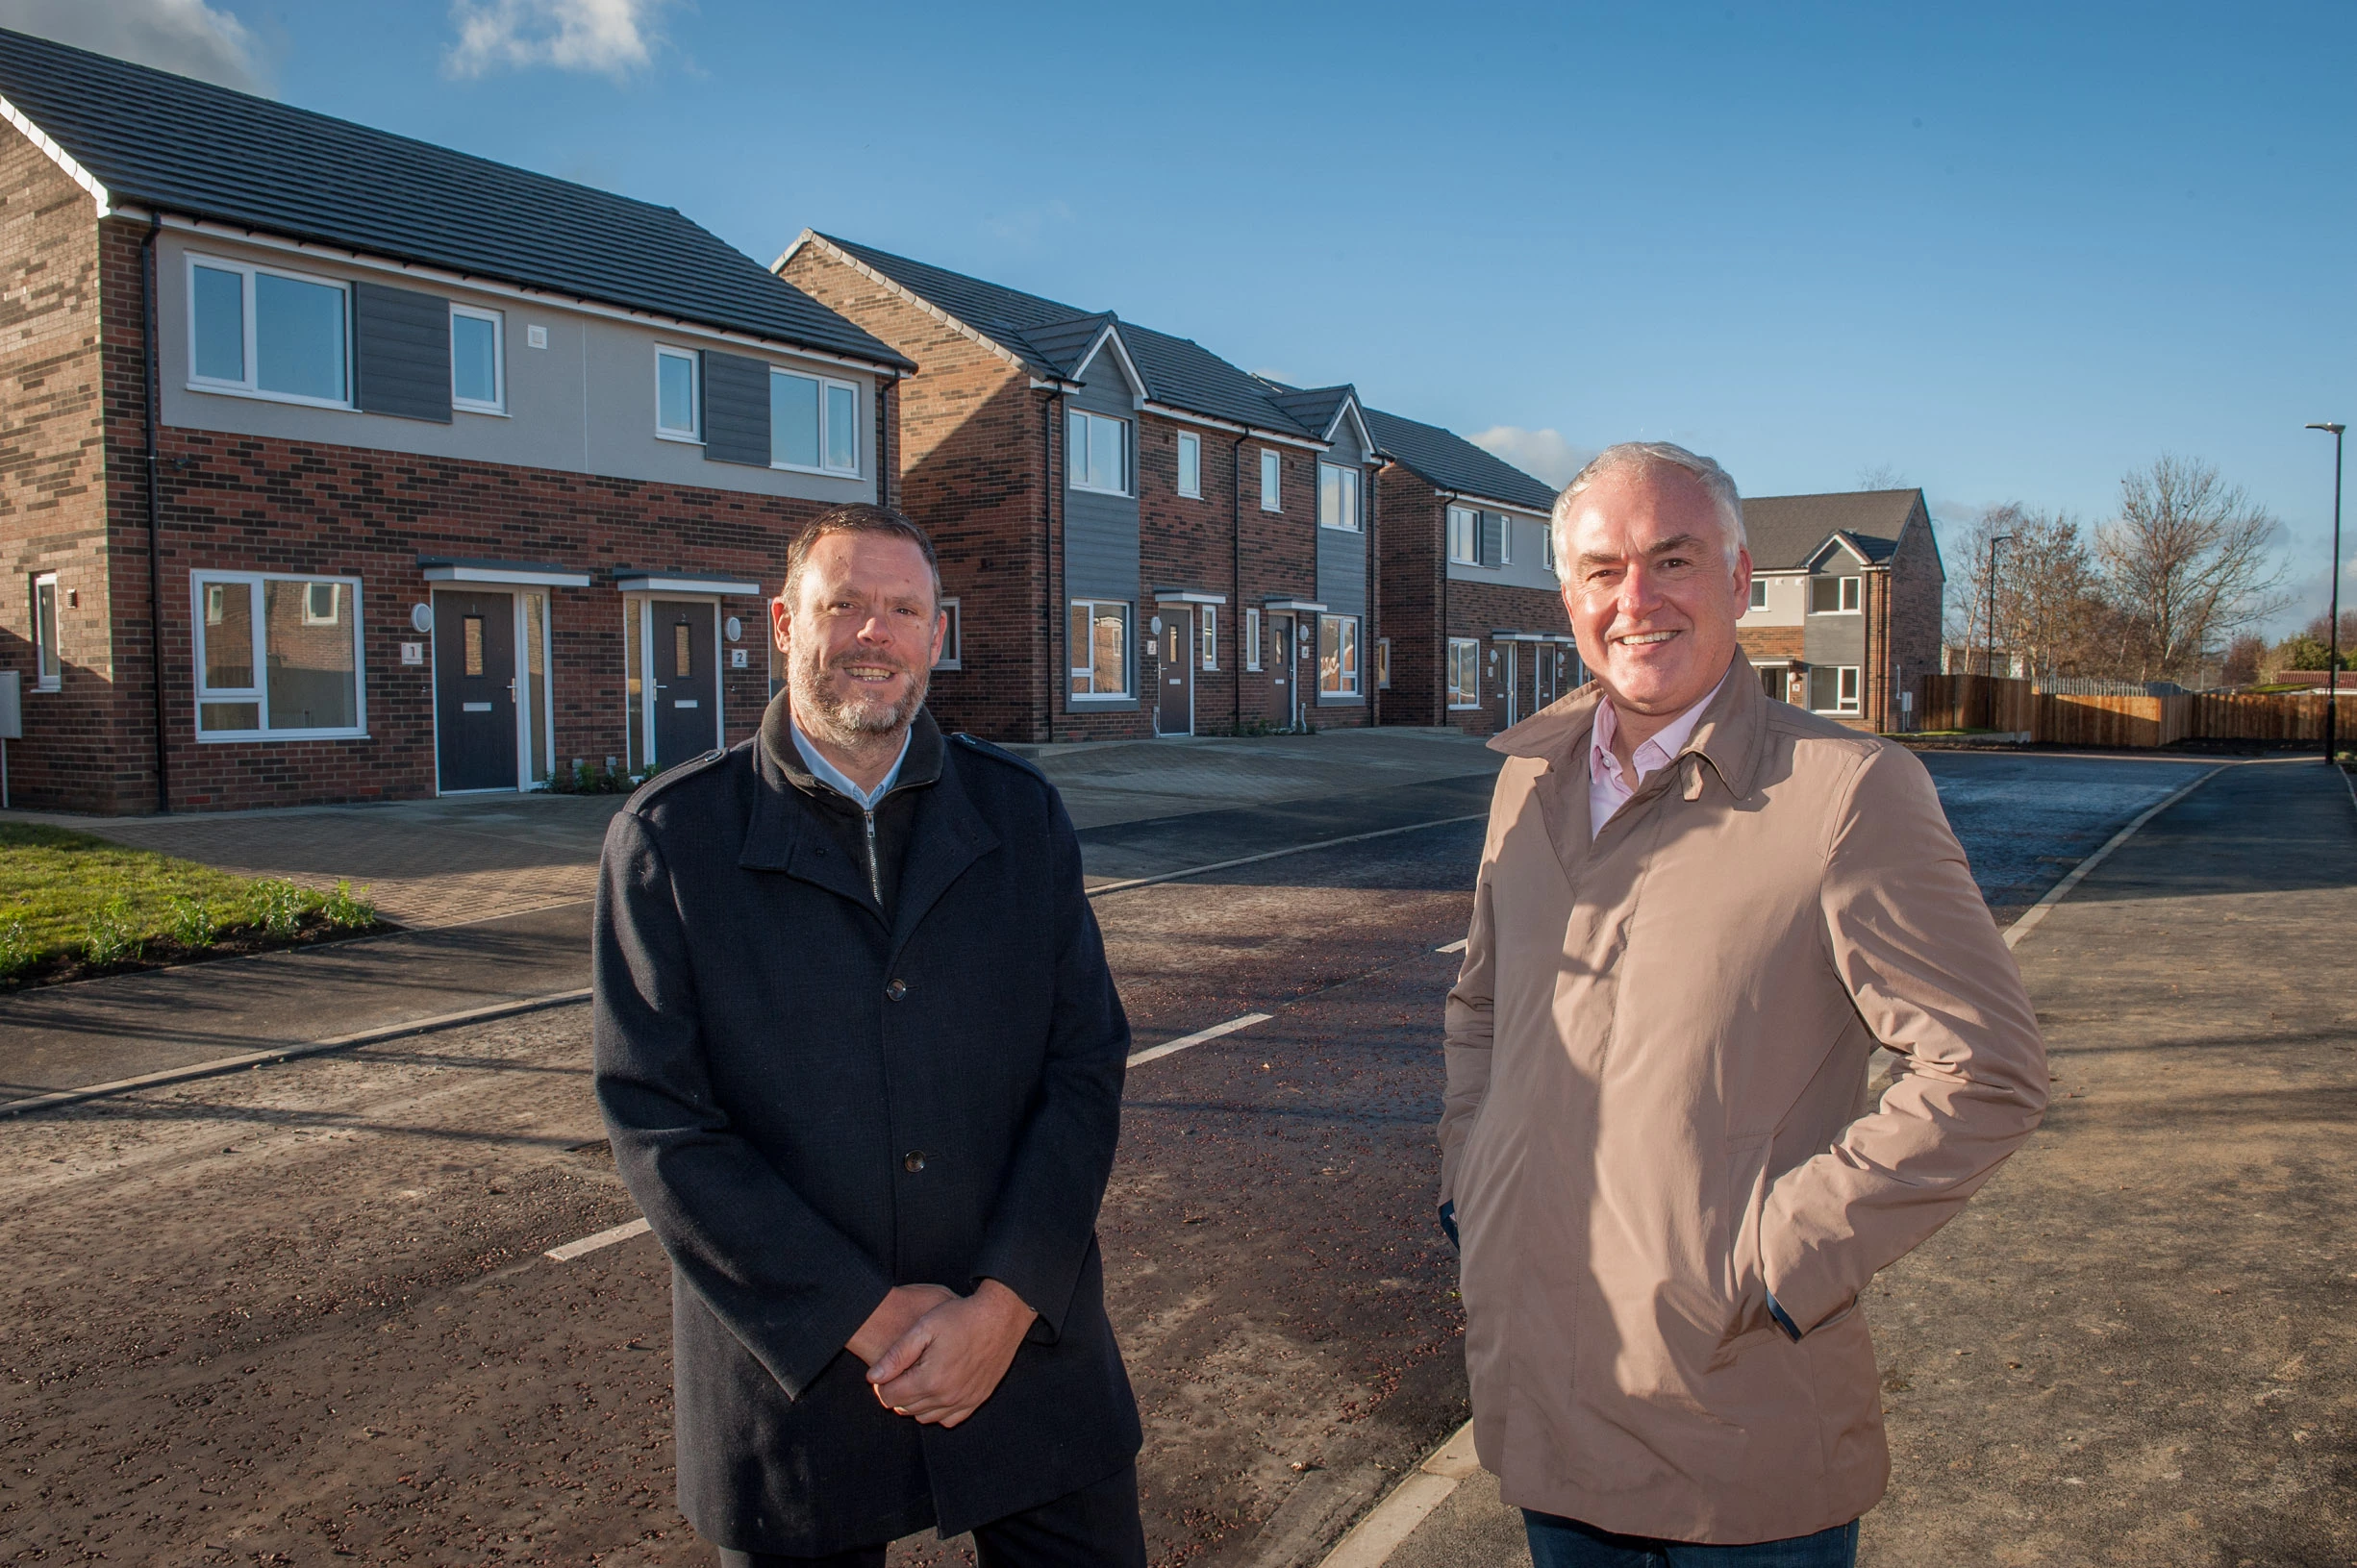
[{"x": 1965, "y": 702}]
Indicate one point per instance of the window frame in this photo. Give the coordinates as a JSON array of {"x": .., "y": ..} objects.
[
  {"x": 1505, "y": 539},
  {"x": 1358, "y": 510},
  {"x": 1252, "y": 638},
  {"x": 1759, "y": 593},
  {"x": 1546, "y": 546},
  {"x": 825, "y": 384},
  {"x": 1463, "y": 647},
  {"x": 1383, "y": 664},
  {"x": 251, "y": 326},
  {"x": 1849, "y": 596},
  {"x": 953, "y": 636},
  {"x": 1073, "y": 472},
  {"x": 1129, "y": 654},
  {"x": 1272, "y": 480},
  {"x": 259, "y": 693},
  {"x": 1470, "y": 519},
  {"x": 1190, "y": 441},
  {"x": 48, "y": 664},
  {"x": 1208, "y": 627},
  {"x": 1348, "y": 661},
  {"x": 696, "y": 395},
  {"x": 498, "y": 404}
]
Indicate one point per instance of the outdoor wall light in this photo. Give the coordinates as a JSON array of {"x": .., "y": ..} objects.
[
  {"x": 422, "y": 618},
  {"x": 735, "y": 629},
  {"x": 1156, "y": 624}
]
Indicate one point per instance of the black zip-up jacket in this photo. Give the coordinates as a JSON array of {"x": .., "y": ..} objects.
[{"x": 814, "y": 1097}]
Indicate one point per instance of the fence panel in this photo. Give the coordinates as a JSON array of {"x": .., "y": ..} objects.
[
  {"x": 1965, "y": 702},
  {"x": 2073, "y": 720}
]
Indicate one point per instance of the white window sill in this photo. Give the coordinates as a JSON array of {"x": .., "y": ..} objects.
[
  {"x": 46, "y": 685},
  {"x": 220, "y": 737},
  {"x": 1190, "y": 495},
  {"x": 820, "y": 473},
  {"x": 257, "y": 395},
  {"x": 1465, "y": 707},
  {"x": 1837, "y": 612},
  {"x": 1098, "y": 490},
  {"x": 674, "y": 435},
  {"x": 1101, "y": 699},
  {"x": 1342, "y": 528},
  {"x": 486, "y": 410},
  {"x": 1272, "y": 511},
  {"x": 1340, "y": 699}
]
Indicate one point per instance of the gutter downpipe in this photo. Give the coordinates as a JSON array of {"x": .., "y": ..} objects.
[
  {"x": 1236, "y": 571},
  {"x": 1053, "y": 609},
  {"x": 1368, "y": 656},
  {"x": 155, "y": 502}
]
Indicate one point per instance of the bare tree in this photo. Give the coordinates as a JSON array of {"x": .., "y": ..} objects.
[
  {"x": 2187, "y": 563},
  {"x": 2045, "y": 588},
  {"x": 1882, "y": 476}
]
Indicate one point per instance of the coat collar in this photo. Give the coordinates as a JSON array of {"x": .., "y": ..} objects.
[
  {"x": 1731, "y": 735},
  {"x": 921, "y": 766}
]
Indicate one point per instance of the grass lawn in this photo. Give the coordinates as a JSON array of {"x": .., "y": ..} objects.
[{"x": 73, "y": 905}]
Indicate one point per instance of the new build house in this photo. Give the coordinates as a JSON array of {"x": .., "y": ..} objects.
[
  {"x": 1136, "y": 538},
  {"x": 342, "y": 465},
  {"x": 1472, "y": 613},
  {"x": 1846, "y": 602}
]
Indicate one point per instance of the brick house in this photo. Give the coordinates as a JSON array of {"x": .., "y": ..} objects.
[
  {"x": 344, "y": 467},
  {"x": 1846, "y": 602},
  {"x": 1138, "y": 537},
  {"x": 1475, "y": 630}
]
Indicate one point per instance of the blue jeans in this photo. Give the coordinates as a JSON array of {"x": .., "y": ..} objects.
[{"x": 1567, "y": 1543}]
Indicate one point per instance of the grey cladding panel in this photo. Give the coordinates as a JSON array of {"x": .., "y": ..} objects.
[
  {"x": 1341, "y": 571},
  {"x": 1100, "y": 545},
  {"x": 401, "y": 342},
  {"x": 1345, "y": 449},
  {"x": 736, "y": 409}
]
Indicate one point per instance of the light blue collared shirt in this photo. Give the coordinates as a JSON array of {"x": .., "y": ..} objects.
[{"x": 835, "y": 778}]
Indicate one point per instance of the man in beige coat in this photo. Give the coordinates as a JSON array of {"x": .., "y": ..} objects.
[{"x": 1699, "y": 913}]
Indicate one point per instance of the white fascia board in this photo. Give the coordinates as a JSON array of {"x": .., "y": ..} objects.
[
  {"x": 520, "y": 576},
  {"x": 58, "y": 154},
  {"x": 1111, "y": 334},
  {"x": 893, "y": 286},
  {"x": 1309, "y": 605},
  {"x": 1831, "y": 539},
  {"x": 655, "y": 582},
  {"x": 507, "y": 291},
  {"x": 1266, "y": 436},
  {"x": 1490, "y": 503},
  {"x": 1175, "y": 596},
  {"x": 1367, "y": 438}
]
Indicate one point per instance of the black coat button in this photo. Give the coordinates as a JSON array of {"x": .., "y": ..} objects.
[
  {"x": 913, "y": 1161},
  {"x": 897, "y": 990}
]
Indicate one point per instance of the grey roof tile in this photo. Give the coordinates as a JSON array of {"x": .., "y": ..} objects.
[
  {"x": 165, "y": 142},
  {"x": 1451, "y": 462},
  {"x": 1786, "y": 531}
]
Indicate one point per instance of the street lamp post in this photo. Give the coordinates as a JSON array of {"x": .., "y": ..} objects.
[
  {"x": 2332, "y": 663},
  {"x": 1989, "y": 665}
]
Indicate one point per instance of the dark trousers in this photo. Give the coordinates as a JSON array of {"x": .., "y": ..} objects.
[
  {"x": 1557, "y": 1542},
  {"x": 1093, "y": 1527}
]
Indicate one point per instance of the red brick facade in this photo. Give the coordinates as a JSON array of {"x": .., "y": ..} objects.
[
  {"x": 73, "y": 500},
  {"x": 982, "y": 470}
]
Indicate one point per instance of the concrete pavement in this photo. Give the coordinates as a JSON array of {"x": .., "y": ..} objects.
[{"x": 2136, "y": 1345}]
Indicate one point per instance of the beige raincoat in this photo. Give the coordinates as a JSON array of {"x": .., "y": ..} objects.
[{"x": 1656, "y": 1112}]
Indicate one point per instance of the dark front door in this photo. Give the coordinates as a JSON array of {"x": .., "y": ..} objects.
[
  {"x": 687, "y": 685},
  {"x": 1543, "y": 676},
  {"x": 474, "y": 689},
  {"x": 1175, "y": 714},
  {"x": 1281, "y": 632}
]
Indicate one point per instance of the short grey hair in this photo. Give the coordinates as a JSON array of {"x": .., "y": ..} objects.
[{"x": 1714, "y": 480}]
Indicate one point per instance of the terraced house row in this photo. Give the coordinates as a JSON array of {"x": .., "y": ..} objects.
[{"x": 339, "y": 465}]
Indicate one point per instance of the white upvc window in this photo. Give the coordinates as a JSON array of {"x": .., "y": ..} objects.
[
  {"x": 679, "y": 395},
  {"x": 1097, "y": 453},
  {"x": 48, "y": 670},
  {"x": 814, "y": 423},
  {"x": 1833, "y": 596},
  {"x": 1505, "y": 540},
  {"x": 1272, "y": 472},
  {"x": 1337, "y": 655},
  {"x": 268, "y": 333},
  {"x": 1383, "y": 664},
  {"x": 478, "y": 359},
  {"x": 1252, "y": 639},
  {"x": 1464, "y": 672},
  {"x": 1759, "y": 593},
  {"x": 1337, "y": 497},
  {"x": 277, "y": 656},
  {"x": 953, "y": 639},
  {"x": 1190, "y": 464},
  {"x": 1210, "y": 637},
  {"x": 1546, "y": 544},
  {"x": 1464, "y": 536},
  {"x": 1098, "y": 631},
  {"x": 1834, "y": 688}
]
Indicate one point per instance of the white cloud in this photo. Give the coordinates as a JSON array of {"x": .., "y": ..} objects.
[
  {"x": 1543, "y": 453},
  {"x": 186, "y": 37},
  {"x": 614, "y": 37}
]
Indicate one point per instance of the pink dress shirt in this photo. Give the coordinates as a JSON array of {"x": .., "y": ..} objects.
[{"x": 1607, "y": 789}]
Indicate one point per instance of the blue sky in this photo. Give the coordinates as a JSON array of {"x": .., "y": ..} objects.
[{"x": 2006, "y": 252}]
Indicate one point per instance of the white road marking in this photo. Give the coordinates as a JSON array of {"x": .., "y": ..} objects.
[
  {"x": 2037, "y": 913},
  {"x": 1271, "y": 855},
  {"x": 1457, "y": 946},
  {"x": 1171, "y": 1047},
  {"x": 604, "y": 1238},
  {"x": 1394, "y": 1519}
]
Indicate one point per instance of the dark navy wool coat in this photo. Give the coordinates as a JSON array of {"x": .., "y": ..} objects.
[{"x": 812, "y": 1102}]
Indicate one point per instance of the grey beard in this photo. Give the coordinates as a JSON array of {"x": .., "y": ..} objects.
[{"x": 848, "y": 724}]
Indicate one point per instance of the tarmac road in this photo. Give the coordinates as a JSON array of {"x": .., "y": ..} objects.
[{"x": 299, "y": 1314}]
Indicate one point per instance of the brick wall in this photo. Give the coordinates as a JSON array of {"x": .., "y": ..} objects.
[
  {"x": 54, "y": 471},
  {"x": 1411, "y": 543},
  {"x": 1475, "y": 609},
  {"x": 1916, "y": 590}
]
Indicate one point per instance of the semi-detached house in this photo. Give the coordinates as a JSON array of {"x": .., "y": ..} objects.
[
  {"x": 1472, "y": 613},
  {"x": 342, "y": 465},
  {"x": 1136, "y": 538}
]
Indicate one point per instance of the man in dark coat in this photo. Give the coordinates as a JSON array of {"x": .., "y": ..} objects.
[{"x": 861, "y": 1059}]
